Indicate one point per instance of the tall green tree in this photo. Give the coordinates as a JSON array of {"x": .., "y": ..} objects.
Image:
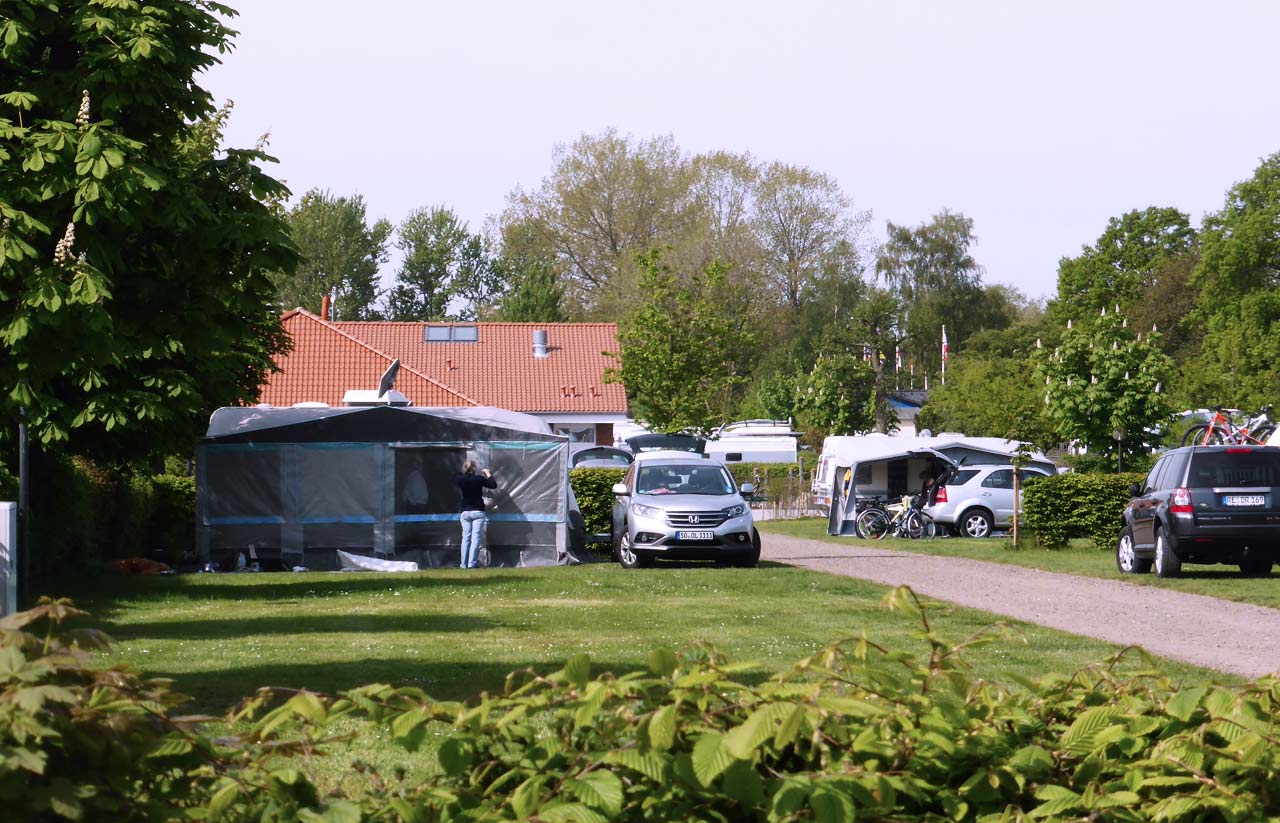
[
  {"x": 535, "y": 297},
  {"x": 1238, "y": 278},
  {"x": 683, "y": 358},
  {"x": 839, "y": 395},
  {"x": 135, "y": 258},
  {"x": 875, "y": 332},
  {"x": 608, "y": 197},
  {"x": 988, "y": 393},
  {"x": 447, "y": 272},
  {"x": 940, "y": 284},
  {"x": 1102, "y": 379},
  {"x": 803, "y": 221},
  {"x": 341, "y": 254},
  {"x": 1121, "y": 265},
  {"x": 526, "y": 267}
]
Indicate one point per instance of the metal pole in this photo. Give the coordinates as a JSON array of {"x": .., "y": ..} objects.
[{"x": 24, "y": 531}]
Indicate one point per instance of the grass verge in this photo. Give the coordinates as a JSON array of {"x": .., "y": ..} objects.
[
  {"x": 1081, "y": 558},
  {"x": 455, "y": 633}
]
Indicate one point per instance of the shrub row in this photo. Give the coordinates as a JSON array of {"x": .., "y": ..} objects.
[
  {"x": 775, "y": 481},
  {"x": 83, "y": 516},
  {"x": 856, "y": 731},
  {"x": 1059, "y": 508},
  {"x": 593, "y": 489}
]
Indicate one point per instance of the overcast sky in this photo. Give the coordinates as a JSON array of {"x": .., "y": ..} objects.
[{"x": 1039, "y": 121}]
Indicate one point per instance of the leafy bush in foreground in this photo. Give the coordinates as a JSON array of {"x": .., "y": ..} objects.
[{"x": 856, "y": 731}]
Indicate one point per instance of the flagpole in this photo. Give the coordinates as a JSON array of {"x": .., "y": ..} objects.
[{"x": 944, "y": 355}]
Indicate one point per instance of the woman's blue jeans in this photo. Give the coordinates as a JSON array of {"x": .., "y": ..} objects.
[{"x": 473, "y": 532}]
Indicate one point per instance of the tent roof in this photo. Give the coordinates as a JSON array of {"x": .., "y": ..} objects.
[
  {"x": 879, "y": 446},
  {"x": 269, "y": 424}
]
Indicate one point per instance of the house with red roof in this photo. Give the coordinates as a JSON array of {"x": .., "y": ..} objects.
[{"x": 554, "y": 371}]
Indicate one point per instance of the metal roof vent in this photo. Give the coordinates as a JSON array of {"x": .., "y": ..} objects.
[{"x": 540, "y": 343}]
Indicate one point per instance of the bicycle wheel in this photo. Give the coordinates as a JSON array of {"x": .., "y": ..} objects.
[
  {"x": 930, "y": 527},
  {"x": 1262, "y": 434},
  {"x": 872, "y": 524},
  {"x": 1202, "y": 434},
  {"x": 912, "y": 525}
]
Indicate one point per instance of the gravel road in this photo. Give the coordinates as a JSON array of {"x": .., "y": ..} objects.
[{"x": 1205, "y": 631}]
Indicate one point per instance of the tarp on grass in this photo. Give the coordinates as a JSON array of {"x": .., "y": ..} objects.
[{"x": 302, "y": 483}]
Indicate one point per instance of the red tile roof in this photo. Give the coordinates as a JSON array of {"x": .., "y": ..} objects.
[
  {"x": 327, "y": 361},
  {"x": 498, "y": 369}
]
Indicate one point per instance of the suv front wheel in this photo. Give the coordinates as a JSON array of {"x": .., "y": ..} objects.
[
  {"x": 1127, "y": 560},
  {"x": 627, "y": 558}
]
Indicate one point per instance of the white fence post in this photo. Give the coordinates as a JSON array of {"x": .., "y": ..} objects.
[{"x": 8, "y": 558}]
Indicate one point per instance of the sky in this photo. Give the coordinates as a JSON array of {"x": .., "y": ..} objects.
[{"x": 1039, "y": 121}]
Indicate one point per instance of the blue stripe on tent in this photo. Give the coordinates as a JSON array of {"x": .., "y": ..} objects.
[
  {"x": 529, "y": 445},
  {"x": 525, "y": 518},
  {"x": 311, "y": 446},
  {"x": 362, "y": 519},
  {"x": 497, "y": 518},
  {"x": 245, "y": 521}
]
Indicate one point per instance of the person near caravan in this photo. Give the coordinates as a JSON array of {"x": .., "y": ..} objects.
[
  {"x": 928, "y": 488},
  {"x": 472, "y": 515}
]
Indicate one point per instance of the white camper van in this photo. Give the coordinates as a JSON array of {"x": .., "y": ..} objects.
[{"x": 754, "y": 441}]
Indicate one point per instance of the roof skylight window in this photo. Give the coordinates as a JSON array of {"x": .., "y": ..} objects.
[{"x": 451, "y": 334}]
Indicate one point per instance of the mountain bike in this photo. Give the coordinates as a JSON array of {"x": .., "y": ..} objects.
[
  {"x": 1221, "y": 429},
  {"x": 903, "y": 519}
]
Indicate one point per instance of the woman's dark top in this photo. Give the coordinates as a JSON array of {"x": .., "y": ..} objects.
[{"x": 472, "y": 486}]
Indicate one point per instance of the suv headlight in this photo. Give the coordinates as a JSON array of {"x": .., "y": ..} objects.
[
  {"x": 646, "y": 511},
  {"x": 735, "y": 511}
]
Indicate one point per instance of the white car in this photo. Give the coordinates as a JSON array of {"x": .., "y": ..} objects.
[{"x": 977, "y": 500}]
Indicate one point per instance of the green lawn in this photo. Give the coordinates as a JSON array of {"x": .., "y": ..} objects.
[
  {"x": 455, "y": 633},
  {"x": 1081, "y": 558}
]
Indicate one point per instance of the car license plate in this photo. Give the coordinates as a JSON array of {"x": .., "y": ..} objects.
[
  {"x": 695, "y": 535},
  {"x": 1243, "y": 500}
]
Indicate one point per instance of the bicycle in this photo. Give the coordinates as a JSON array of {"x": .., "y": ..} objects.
[
  {"x": 1221, "y": 429},
  {"x": 903, "y": 519}
]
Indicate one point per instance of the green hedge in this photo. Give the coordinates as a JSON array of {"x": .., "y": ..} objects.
[
  {"x": 593, "y": 488},
  {"x": 777, "y": 481},
  {"x": 1059, "y": 508},
  {"x": 854, "y": 732},
  {"x": 83, "y": 516}
]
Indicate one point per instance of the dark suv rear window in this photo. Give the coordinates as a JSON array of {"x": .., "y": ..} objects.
[
  {"x": 1234, "y": 468},
  {"x": 960, "y": 478}
]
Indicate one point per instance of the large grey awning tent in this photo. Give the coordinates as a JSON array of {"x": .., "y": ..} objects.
[
  {"x": 298, "y": 484},
  {"x": 884, "y": 468}
]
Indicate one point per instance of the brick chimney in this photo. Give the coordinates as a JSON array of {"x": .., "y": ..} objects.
[{"x": 324, "y": 307}]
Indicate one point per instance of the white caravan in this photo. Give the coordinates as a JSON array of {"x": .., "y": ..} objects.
[{"x": 882, "y": 476}]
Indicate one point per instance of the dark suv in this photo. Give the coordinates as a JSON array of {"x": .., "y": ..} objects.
[{"x": 1204, "y": 504}]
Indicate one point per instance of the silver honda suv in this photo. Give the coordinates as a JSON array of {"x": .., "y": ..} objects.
[{"x": 682, "y": 506}]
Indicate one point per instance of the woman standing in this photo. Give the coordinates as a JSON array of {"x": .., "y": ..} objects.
[{"x": 474, "y": 520}]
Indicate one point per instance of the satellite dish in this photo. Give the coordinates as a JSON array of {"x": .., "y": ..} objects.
[{"x": 389, "y": 377}]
